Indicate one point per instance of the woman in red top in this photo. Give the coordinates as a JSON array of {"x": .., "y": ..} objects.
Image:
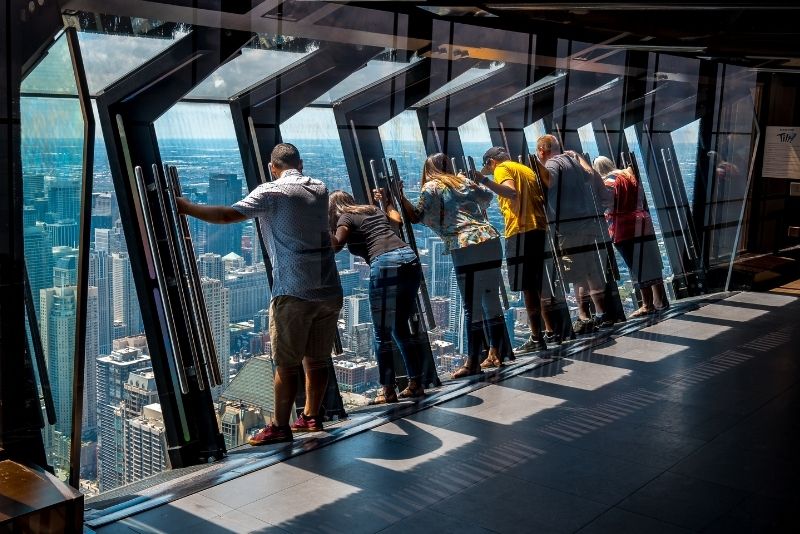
[{"x": 631, "y": 229}]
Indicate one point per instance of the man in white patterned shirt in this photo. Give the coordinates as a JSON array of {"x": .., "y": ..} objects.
[{"x": 292, "y": 213}]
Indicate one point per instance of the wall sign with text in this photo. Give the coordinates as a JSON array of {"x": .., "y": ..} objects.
[{"x": 782, "y": 152}]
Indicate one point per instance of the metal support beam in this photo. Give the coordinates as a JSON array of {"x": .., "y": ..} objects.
[{"x": 127, "y": 111}]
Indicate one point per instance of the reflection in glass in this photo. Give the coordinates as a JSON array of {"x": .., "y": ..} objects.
[
  {"x": 685, "y": 140},
  {"x": 633, "y": 143}
]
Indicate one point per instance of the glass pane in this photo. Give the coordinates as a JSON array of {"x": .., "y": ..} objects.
[
  {"x": 685, "y": 140},
  {"x": 588, "y": 141},
  {"x": 107, "y": 58},
  {"x": 199, "y": 140},
  {"x": 244, "y": 71},
  {"x": 51, "y": 173},
  {"x": 635, "y": 148},
  {"x": 469, "y": 77},
  {"x": 402, "y": 140},
  {"x": 533, "y": 132},
  {"x": 373, "y": 71},
  {"x": 314, "y": 132}
]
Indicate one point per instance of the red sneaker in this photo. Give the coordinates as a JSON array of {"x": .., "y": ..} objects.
[
  {"x": 272, "y": 434},
  {"x": 306, "y": 423}
]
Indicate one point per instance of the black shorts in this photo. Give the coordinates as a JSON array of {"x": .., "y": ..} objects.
[{"x": 525, "y": 256}]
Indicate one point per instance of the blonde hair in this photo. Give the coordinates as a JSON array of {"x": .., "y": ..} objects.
[
  {"x": 604, "y": 166},
  {"x": 436, "y": 168}
]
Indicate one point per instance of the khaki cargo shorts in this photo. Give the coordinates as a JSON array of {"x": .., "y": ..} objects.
[{"x": 302, "y": 329}]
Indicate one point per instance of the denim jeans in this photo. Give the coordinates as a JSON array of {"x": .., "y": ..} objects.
[
  {"x": 477, "y": 269},
  {"x": 393, "y": 285}
]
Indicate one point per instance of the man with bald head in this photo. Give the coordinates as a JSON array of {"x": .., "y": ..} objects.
[{"x": 573, "y": 215}]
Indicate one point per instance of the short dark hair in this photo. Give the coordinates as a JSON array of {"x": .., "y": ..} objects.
[
  {"x": 496, "y": 153},
  {"x": 285, "y": 156}
]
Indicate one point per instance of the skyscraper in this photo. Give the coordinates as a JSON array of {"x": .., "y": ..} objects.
[
  {"x": 112, "y": 372},
  {"x": 356, "y": 310},
  {"x": 249, "y": 292},
  {"x": 210, "y": 266},
  {"x": 100, "y": 276},
  {"x": 126, "y": 302},
  {"x": 219, "y": 313},
  {"x": 351, "y": 281},
  {"x": 145, "y": 444},
  {"x": 224, "y": 189},
  {"x": 57, "y": 327},
  {"x": 440, "y": 266},
  {"x": 39, "y": 261},
  {"x": 457, "y": 329},
  {"x": 63, "y": 198}
]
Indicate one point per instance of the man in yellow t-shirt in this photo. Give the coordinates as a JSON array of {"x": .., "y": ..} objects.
[{"x": 521, "y": 201}]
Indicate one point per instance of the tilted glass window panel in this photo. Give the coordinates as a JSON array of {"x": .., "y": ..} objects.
[
  {"x": 685, "y": 141},
  {"x": 533, "y": 132},
  {"x": 468, "y": 78},
  {"x": 243, "y": 72},
  {"x": 107, "y": 58},
  {"x": 588, "y": 141},
  {"x": 633, "y": 144},
  {"x": 402, "y": 140},
  {"x": 314, "y": 132},
  {"x": 52, "y": 162},
  {"x": 370, "y": 73}
]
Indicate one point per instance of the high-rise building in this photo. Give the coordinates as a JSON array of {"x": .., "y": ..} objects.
[
  {"x": 219, "y": 312},
  {"x": 351, "y": 281},
  {"x": 65, "y": 271},
  {"x": 100, "y": 276},
  {"x": 57, "y": 327},
  {"x": 126, "y": 302},
  {"x": 210, "y": 266},
  {"x": 112, "y": 373},
  {"x": 441, "y": 266},
  {"x": 63, "y": 198},
  {"x": 441, "y": 311},
  {"x": 232, "y": 262},
  {"x": 102, "y": 212},
  {"x": 224, "y": 189},
  {"x": 145, "y": 444},
  {"x": 32, "y": 187},
  {"x": 140, "y": 390},
  {"x": 249, "y": 292},
  {"x": 457, "y": 331},
  {"x": 63, "y": 232},
  {"x": 38, "y": 260},
  {"x": 356, "y": 310},
  {"x": 58, "y": 307}
]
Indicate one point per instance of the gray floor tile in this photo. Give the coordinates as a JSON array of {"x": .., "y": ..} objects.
[
  {"x": 586, "y": 474},
  {"x": 185, "y": 512},
  {"x": 257, "y": 485},
  {"x": 629, "y": 442},
  {"x": 508, "y": 504},
  {"x": 431, "y": 521},
  {"x": 618, "y": 521},
  {"x": 759, "y": 514},
  {"x": 682, "y": 500},
  {"x": 746, "y": 470}
]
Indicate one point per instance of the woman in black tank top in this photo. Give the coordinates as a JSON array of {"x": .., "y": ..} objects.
[{"x": 395, "y": 276}]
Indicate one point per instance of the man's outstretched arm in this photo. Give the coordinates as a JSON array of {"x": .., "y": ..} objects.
[{"x": 211, "y": 214}]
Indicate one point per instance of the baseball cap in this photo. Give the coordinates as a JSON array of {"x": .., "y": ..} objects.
[{"x": 497, "y": 153}]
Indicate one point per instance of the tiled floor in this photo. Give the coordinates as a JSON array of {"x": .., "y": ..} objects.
[{"x": 689, "y": 425}]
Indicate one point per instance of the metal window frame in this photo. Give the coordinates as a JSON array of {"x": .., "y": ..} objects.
[{"x": 127, "y": 111}]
